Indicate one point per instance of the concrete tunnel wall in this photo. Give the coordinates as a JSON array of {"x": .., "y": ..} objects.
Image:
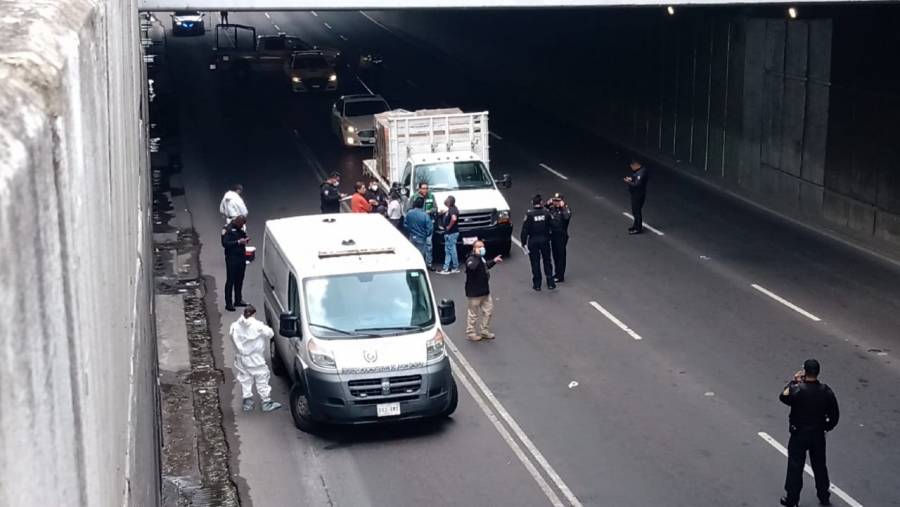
[
  {"x": 799, "y": 116},
  {"x": 78, "y": 405}
]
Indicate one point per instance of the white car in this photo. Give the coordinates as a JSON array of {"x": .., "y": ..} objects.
[
  {"x": 187, "y": 23},
  {"x": 311, "y": 71},
  {"x": 353, "y": 118}
]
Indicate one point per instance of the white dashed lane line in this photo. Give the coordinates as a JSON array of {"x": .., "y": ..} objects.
[
  {"x": 615, "y": 321},
  {"x": 277, "y": 27},
  {"x": 786, "y": 303},
  {"x": 652, "y": 229},
  {"x": 267, "y": 15},
  {"x": 327, "y": 26},
  {"x": 343, "y": 37},
  {"x": 554, "y": 171},
  {"x": 496, "y": 136}
]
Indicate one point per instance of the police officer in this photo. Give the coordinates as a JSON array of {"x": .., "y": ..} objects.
[
  {"x": 330, "y": 194},
  {"x": 234, "y": 241},
  {"x": 560, "y": 214},
  {"x": 536, "y": 238},
  {"x": 637, "y": 187},
  {"x": 814, "y": 411}
]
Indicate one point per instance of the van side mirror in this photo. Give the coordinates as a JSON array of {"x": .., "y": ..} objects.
[
  {"x": 288, "y": 325},
  {"x": 447, "y": 312},
  {"x": 505, "y": 181}
]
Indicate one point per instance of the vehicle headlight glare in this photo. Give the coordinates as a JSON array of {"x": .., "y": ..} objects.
[
  {"x": 320, "y": 357},
  {"x": 296, "y": 79},
  {"x": 435, "y": 346},
  {"x": 332, "y": 78},
  {"x": 351, "y": 129},
  {"x": 178, "y": 23},
  {"x": 349, "y": 140}
]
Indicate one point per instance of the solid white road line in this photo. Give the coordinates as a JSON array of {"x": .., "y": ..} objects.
[
  {"x": 495, "y": 136},
  {"x": 806, "y": 468},
  {"x": 364, "y": 85},
  {"x": 786, "y": 303},
  {"x": 510, "y": 441},
  {"x": 615, "y": 321},
  {"x": 327, "y": 26},
  {"x": 554, "y": 171},
  {"x": 648, "y": 226},
  {"x": 519, "y": 244},
  {"x": 376, "y": 22},
  {"x": 514, "y": 426}
]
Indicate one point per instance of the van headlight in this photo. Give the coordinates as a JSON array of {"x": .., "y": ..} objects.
[
  {"x": 332, "y": 78},
  {"x": 296, "y": 79},
  {"x": 351, "y": 129},
  {"x": 435, "y": 346},
  {"x": 320, "y": 357},
  {"x": 503, "y": 216}
]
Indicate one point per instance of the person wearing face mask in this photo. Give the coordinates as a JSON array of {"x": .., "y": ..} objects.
[
  {"x": 330, "y": 194},
  {"x": 478, "y": 293},
  {"x": 376, "y": 198}
]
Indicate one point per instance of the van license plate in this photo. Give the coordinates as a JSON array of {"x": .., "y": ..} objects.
[
  {"x": 388, "y": 409},
  {"x": 469, "y": 241}
]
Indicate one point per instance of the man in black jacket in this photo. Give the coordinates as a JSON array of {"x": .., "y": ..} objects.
[
  {"x": 478, "y": 292},
  {"x": 330, "y": 194},
  {"x": 536, "y": 238},
  {"x": 234, "y": 241},
  {"x": 637, "y": 187},
  {"x": 814, "y": 411},
  {"x": 560, "y": 215}
]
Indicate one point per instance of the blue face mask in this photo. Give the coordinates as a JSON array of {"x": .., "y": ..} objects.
[{"x": 482, "y": 251}]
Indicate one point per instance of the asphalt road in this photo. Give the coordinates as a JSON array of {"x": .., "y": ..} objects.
[{"x": 671, "y": 419}]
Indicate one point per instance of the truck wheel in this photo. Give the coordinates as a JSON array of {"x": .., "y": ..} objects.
[
  {"x": 300, "y": 409},
  {"x": 454, "y": 399},
  {"x": 277, "y": 364},
  {"x": 505, "y": 249}
]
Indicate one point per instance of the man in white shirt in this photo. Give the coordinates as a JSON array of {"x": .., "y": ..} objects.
[{"x": 232, "y": 204}]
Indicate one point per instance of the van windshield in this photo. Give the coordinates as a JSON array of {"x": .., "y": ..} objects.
[
  {"x": 454, "y": 175},
  {"x": 368, "y": 304}
]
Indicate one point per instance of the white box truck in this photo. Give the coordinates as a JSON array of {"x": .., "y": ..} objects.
[
  {"x": 360, "y": 333},
  {"x": 448, "y": 149}
]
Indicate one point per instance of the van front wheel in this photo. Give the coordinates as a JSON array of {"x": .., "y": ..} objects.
[
  {"x": 300, "y": 409},
  {"x": 454, "y": 399}
]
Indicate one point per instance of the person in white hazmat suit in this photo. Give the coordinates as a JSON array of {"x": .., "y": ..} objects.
[
  {"x": 232, "y": 204},
  {"x": 249, "y": 336}
]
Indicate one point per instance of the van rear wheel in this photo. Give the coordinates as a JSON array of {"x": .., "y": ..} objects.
[
  {"x": 277, "y": 364},
  {"x": 300, "y": 409}
]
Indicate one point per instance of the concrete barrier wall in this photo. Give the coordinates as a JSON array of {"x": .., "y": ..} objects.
[
  {"x": 747, "y": 102},
  {"x": 77, "y": 355}
]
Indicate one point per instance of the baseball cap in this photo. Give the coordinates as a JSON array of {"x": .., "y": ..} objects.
[
  {"x": 558, "y": 196},
  {"x": 811, "y": 367}
]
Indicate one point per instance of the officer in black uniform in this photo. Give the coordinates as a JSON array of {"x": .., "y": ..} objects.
[
  {"x": 637, "y": 186},
  {"x": 560, "y": 215},
  {"x": 330, "y": 194},
  {"x": 536, "y": 238},
  {"x": 814, "y": 411},
  {"x": 234, "y": 241}
]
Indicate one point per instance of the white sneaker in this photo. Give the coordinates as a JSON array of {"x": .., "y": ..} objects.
[
  {"x": 452, "y": 271},
  {"x": 442, "y": 272}
]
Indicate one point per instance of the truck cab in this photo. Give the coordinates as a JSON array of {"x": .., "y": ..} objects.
[
  {"x": 360, "y": 333},
  {"x": 448, "y": 150}
]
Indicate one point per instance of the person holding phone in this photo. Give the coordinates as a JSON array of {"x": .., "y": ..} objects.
[
  {"x": 814, "y": 412},
  {"x": 478, "y": 293},
  {"x": 234, "y": 241}
]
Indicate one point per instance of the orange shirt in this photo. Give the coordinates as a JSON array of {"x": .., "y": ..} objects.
[{"x": 359, "y": 204}]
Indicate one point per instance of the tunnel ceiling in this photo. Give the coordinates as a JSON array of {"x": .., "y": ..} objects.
[{"x": 289, "y": 5}]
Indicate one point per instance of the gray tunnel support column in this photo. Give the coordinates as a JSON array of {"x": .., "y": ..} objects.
[{"x": 77, "y": 355}]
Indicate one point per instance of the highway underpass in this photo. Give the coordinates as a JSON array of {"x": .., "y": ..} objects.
[{"x": 650, "y": 377}]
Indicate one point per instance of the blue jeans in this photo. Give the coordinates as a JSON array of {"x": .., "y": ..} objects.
[
  {"x": 428, "y": 252},
  {"x": 419, "y": 243},
  {"x": 451, "y": 259}
]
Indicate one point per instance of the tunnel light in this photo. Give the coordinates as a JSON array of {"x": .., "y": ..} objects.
[
  {"x": 670, "y": 10},
  {"x": 792, "y": 12}
]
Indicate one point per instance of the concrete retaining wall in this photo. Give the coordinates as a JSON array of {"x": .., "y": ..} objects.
[
  {"x": 744, "y": 99},
  {"x": 77, "y": 359}
]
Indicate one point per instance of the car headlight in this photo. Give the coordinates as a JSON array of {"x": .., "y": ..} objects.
[
  {"x": 320, "y": 357},
  {"x": 296, "y": 79},
  {"x": 503, "y": 216},
  {"x": 434, "y": 347},
  {"x": 349, "y": 140},
  {"x": 332, "y": 78},
  {"x": 178, "y": 23},
  {"x": 351, "y": 129}
]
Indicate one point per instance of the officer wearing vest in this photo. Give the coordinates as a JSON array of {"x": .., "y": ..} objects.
[{"x": 536, "y": 239}]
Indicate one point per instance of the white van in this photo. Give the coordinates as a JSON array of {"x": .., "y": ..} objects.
[{"x": 359, "y": 331}]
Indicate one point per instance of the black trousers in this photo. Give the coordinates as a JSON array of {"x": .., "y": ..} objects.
[
  {"x": 540, "y": 251},
  {"x": 234, "y": 279},
  {"x": 558, "y": 244},
  {"x": 637, "y": 205},
  {"x": 800, "y": 443}
]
